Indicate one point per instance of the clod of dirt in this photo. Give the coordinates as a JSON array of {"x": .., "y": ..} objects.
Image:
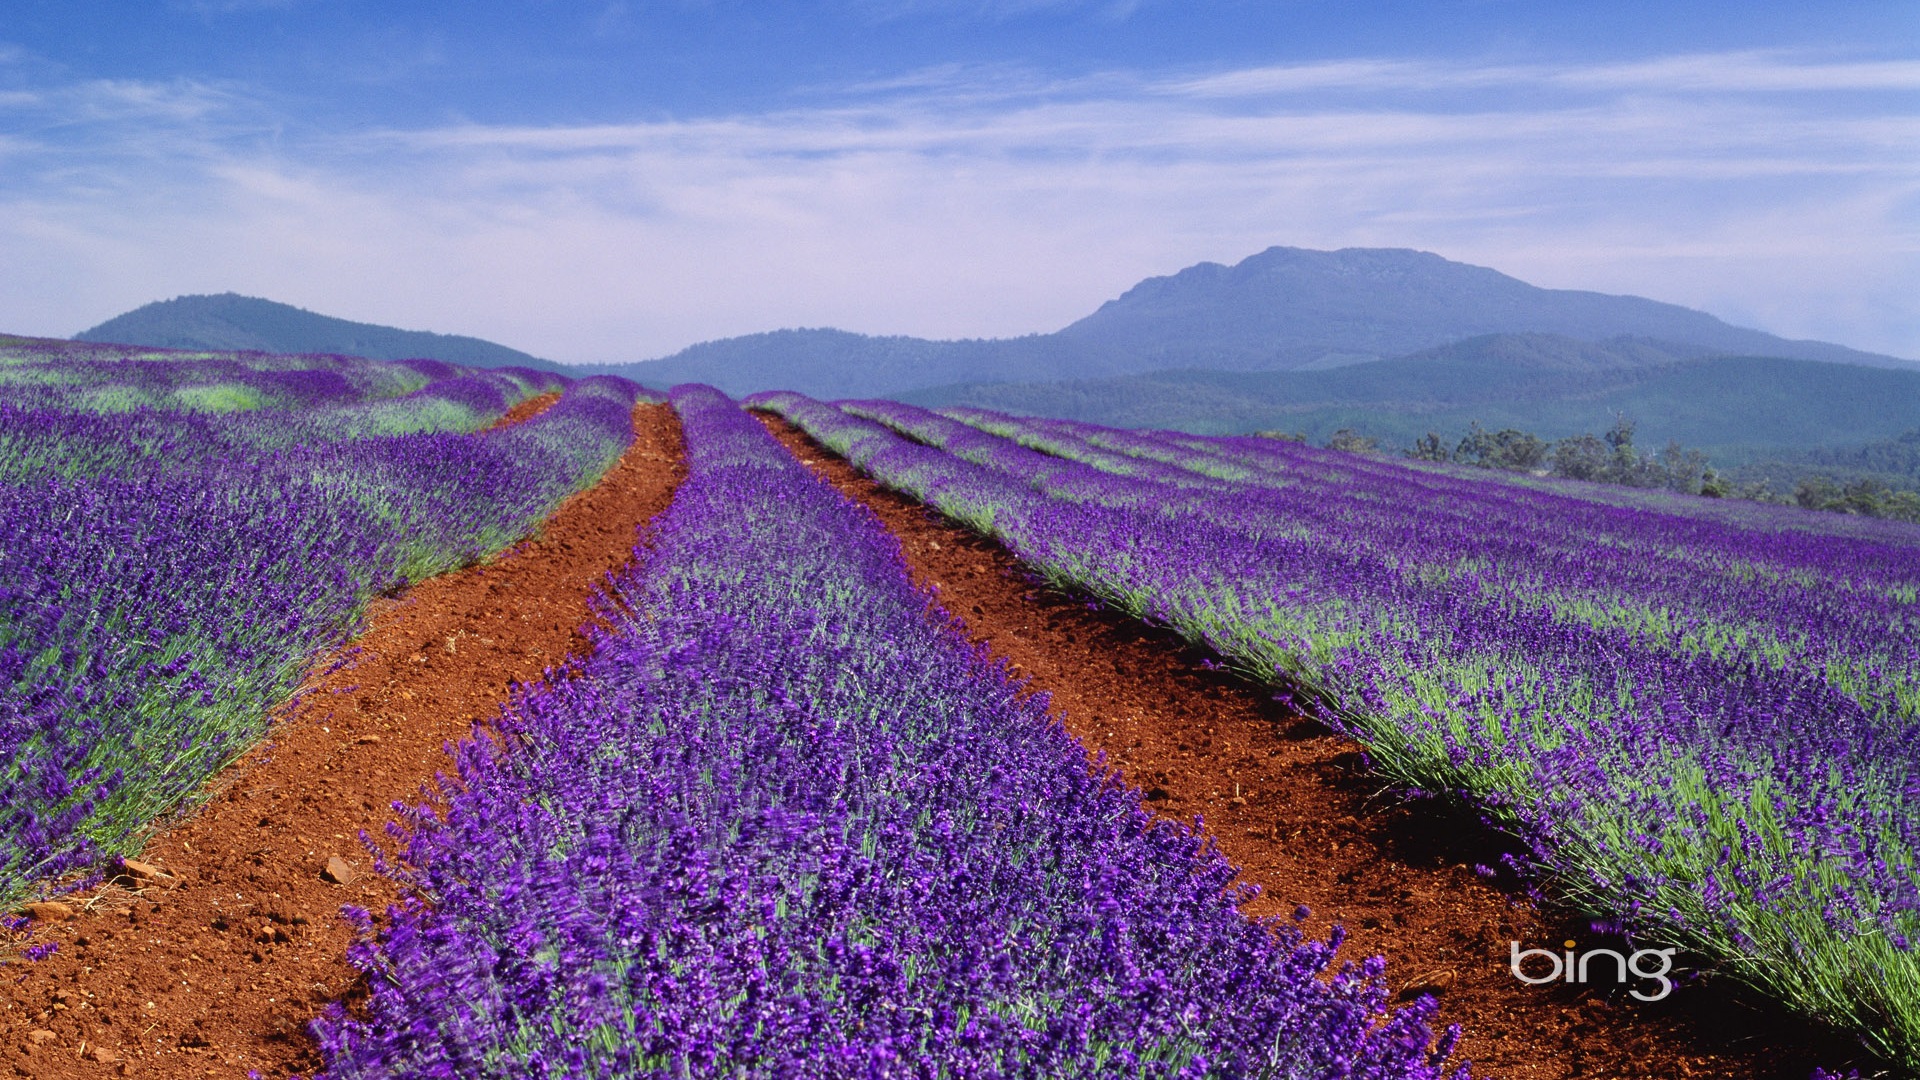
[
  {"x": 143, "y": 871},
  {"x": 102, "y": 1055},
  {"x": 41, "y": 1037},
  {"x": 338, "y": 871},
  {"x": 1433, "y": 982},
  {"x": 368, "y": 740},
  {"x": 285, "y": 914},
  {"x": 49, "y": 911}
]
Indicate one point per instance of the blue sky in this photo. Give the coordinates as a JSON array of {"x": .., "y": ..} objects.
[{"x": 611, "y": 181}]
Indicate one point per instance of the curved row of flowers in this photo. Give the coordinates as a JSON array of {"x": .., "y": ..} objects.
[
  {"x": 788, "y": 822},
  {"x": 168, "y": 573},
  {"x": 1705, "y": 722}
]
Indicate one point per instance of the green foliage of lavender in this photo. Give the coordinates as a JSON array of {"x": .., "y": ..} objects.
[
  {"x": 786, "y": 822},
  {"x": 87, "y": 410},
  {"x": 168, "y": 574},
  {"x": 1703, "y": 719},
  {"x": 112, "y": 378}
]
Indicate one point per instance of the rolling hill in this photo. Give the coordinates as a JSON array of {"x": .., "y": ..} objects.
[
  {"x": 1737, "y": 407},
  {"x": 231, "y": 321}
]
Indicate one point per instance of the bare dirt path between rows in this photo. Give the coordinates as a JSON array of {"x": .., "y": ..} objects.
[
  {"x": 1311, "y": 828},
  {"x": 216, "y": 969}
]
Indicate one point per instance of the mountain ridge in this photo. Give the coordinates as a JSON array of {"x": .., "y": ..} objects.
[
  {"x": 1281, "y": 309},
  {"x": 1389, "y": 302},
  {"x": 220, "y": 321}
]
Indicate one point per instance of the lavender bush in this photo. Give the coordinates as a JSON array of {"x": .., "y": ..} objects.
[
  {"x": 167, "y": 576},
  {"x": 114, "y": 378},
  {"x": 788, "y": 823},
  {"x": 1702, "y": 720}
]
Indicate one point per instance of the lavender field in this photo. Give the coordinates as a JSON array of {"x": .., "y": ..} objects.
[
  {"x": 181, "y": 535},
  {"x": 1703, "y": 721},
  {"x": 787, "y": 822}
]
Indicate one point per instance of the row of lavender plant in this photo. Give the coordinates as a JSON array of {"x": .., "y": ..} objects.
[
  {"x": 118, "y": 378},
  {"x": 56, "y": 425},
  {"x": 1758, "y": 581},
  {"x": 788, "y": 822},
  {"x": 162, "y": 590},
  {"x": 1704, "y": 729}
]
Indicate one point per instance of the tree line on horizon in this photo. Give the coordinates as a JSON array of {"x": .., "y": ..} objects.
[{"x": 1864, "y": 480}]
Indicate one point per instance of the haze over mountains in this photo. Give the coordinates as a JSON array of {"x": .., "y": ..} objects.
[
  {"x": 1387, "y": 340},
  {"x": 1282, "y": 309}
]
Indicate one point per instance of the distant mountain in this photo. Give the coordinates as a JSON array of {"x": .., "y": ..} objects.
[
  {"x": 1551, "y": 352},
  {"x": 1288, "y": 307},
  {"x": 1737, "y": 407},
  {"x": 1892, "y": 463},
  {"x": 1283, "y": 309},
  {"x": 837, "y": 364},
  {"x": 231, "y": 321},
  {"x": 1386, "y": 339}
]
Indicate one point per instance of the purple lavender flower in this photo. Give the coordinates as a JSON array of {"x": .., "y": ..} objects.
[
  {"x": 1703, "y": 719},
  {"x": 786, "y": 823},
  {"x": 168, "y": 570}
]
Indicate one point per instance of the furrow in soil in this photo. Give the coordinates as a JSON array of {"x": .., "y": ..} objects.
[
  {"x": 1291, "y": 805},
  {"x": 215, "y": 967}
]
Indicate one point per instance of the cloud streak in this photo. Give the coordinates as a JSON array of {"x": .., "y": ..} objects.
[
  {"x": 1752, "y": 72},
  {"x": 1769, "y": 188}
]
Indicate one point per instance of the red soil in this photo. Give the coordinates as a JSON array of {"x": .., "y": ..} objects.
[
  {"x": 526, "y": 410},
  {"x": 1290, "y": 804},
  {"x": 215, "y": 969}
]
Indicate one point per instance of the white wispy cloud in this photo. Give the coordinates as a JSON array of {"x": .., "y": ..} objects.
[
  {"x": 1752, "y": 72},
  {"x": 1748, "y": 72},
  {"x": 117, "y": 108},
  {"x": 970, "y": 202}
]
